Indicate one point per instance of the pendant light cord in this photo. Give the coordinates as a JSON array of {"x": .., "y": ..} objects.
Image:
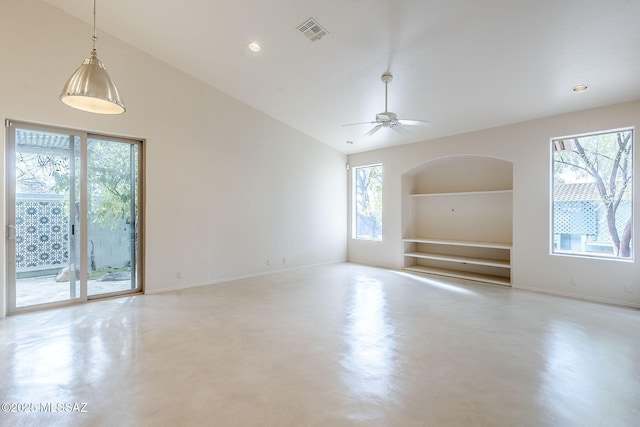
[{"x": 94, "y": 38}]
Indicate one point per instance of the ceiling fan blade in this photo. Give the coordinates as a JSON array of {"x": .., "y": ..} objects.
[
  {"x": 361, "y": 123},
  {"x": 372, "y": 131},
  {"x": 402, "y": 131},
  {"x": 415, "y": 122}
]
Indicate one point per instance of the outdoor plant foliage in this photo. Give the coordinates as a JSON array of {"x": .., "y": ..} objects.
[
  {"x": 111, "y": 170},
  {"x": 111, "y": 176}
]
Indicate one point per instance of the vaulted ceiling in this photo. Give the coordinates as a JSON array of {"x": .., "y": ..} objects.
[{"x": 462, "y": 65}]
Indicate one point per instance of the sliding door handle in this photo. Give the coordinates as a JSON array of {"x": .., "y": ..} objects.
[{"x": 11, "y": 232}]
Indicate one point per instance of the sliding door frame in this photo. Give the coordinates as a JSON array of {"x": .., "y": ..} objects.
[{"x": 10, "y": 213}]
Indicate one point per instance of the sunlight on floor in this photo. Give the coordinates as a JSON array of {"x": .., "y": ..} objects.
[{"x": 440, "y": 284}]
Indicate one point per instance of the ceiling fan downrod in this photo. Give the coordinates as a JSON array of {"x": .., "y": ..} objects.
[{"x": 386, "y": 79}]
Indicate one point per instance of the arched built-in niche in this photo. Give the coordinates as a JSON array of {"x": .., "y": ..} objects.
[{"x": 457, "y": 218}]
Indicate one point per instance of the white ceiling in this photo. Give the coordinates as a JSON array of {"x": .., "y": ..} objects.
[{"x": 461, "y": 64}]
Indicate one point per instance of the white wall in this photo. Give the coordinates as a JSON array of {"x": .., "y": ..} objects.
[
  {"x": 226, "y": 186},
  {"x": 527, "y": 146}
]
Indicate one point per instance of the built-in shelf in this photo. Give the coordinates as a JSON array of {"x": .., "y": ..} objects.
[
  {"x": 455, "y": 232},
  {"x": 463, "y": 193},
  {"x": 480, "y": 261},
  {"x": 493, "y": 245},
  {"x": 477, "y": 277},
  {"x": 460, "y": 259}
]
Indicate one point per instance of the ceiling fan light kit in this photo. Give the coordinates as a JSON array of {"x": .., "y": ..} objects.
[{"x": 387, "y": 119}]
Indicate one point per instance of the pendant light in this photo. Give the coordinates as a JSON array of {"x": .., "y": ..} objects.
[{"x": 90, "y": 88}]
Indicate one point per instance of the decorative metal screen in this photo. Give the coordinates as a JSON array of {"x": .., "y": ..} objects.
[
  {"x": 577, "y": 217},
  {"x": 41, "y": 234}
]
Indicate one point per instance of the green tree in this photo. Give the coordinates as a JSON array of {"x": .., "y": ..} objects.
[
  {"x": 111, "y": 176},
  {"x": 605, "y": 160},
  {"x": 111, "y": 181}
]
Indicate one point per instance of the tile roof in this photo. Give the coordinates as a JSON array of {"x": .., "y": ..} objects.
[
  {"x": 583, "y": 191},
  {"x": 576, "y": 192}
]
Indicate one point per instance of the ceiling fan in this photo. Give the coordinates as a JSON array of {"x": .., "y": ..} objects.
[{"x": 387, "y": 119}]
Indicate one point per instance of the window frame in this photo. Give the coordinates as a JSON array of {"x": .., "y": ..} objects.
[
  {"x": 552, "y": 198},
  {"x": 81, "y": 230},
  {"x": 354, "y": 219}
]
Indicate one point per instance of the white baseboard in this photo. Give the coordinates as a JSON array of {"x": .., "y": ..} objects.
[
  {"x": 231, "y": 279},
  {"x": 579, "y": 297}
]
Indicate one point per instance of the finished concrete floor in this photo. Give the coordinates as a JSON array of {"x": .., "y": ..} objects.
[{"x": 331, "y": 345}]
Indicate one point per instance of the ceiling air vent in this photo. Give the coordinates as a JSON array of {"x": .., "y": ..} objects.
[{"x": 312, "y": 30}]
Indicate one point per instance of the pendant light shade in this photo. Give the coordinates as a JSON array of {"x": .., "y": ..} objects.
[{"x": 90, "y": 88}]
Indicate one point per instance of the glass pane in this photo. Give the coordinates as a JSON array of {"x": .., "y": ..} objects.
[
  {"x": 368, "y": 202},
  {"x": 45, "y": 215},
  {"x": 593, "y": 195},
  {"x": 112, "y": 178}
]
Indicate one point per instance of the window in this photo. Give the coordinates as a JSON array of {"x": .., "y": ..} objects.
[
  {"x": 593, "y": 195},
  {"x": 368, "y": 202}
]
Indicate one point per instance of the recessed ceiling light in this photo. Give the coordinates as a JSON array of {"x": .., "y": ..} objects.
[
  {"x": 254, "y": 47},
  {"x": 580, "y": 88}
]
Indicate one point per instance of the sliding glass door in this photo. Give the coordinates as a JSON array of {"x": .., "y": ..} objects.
[
  {"x": 73, "y": 216},
  {"x": 112, "y": 177},
  {"x": 43, "y": 226}
]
